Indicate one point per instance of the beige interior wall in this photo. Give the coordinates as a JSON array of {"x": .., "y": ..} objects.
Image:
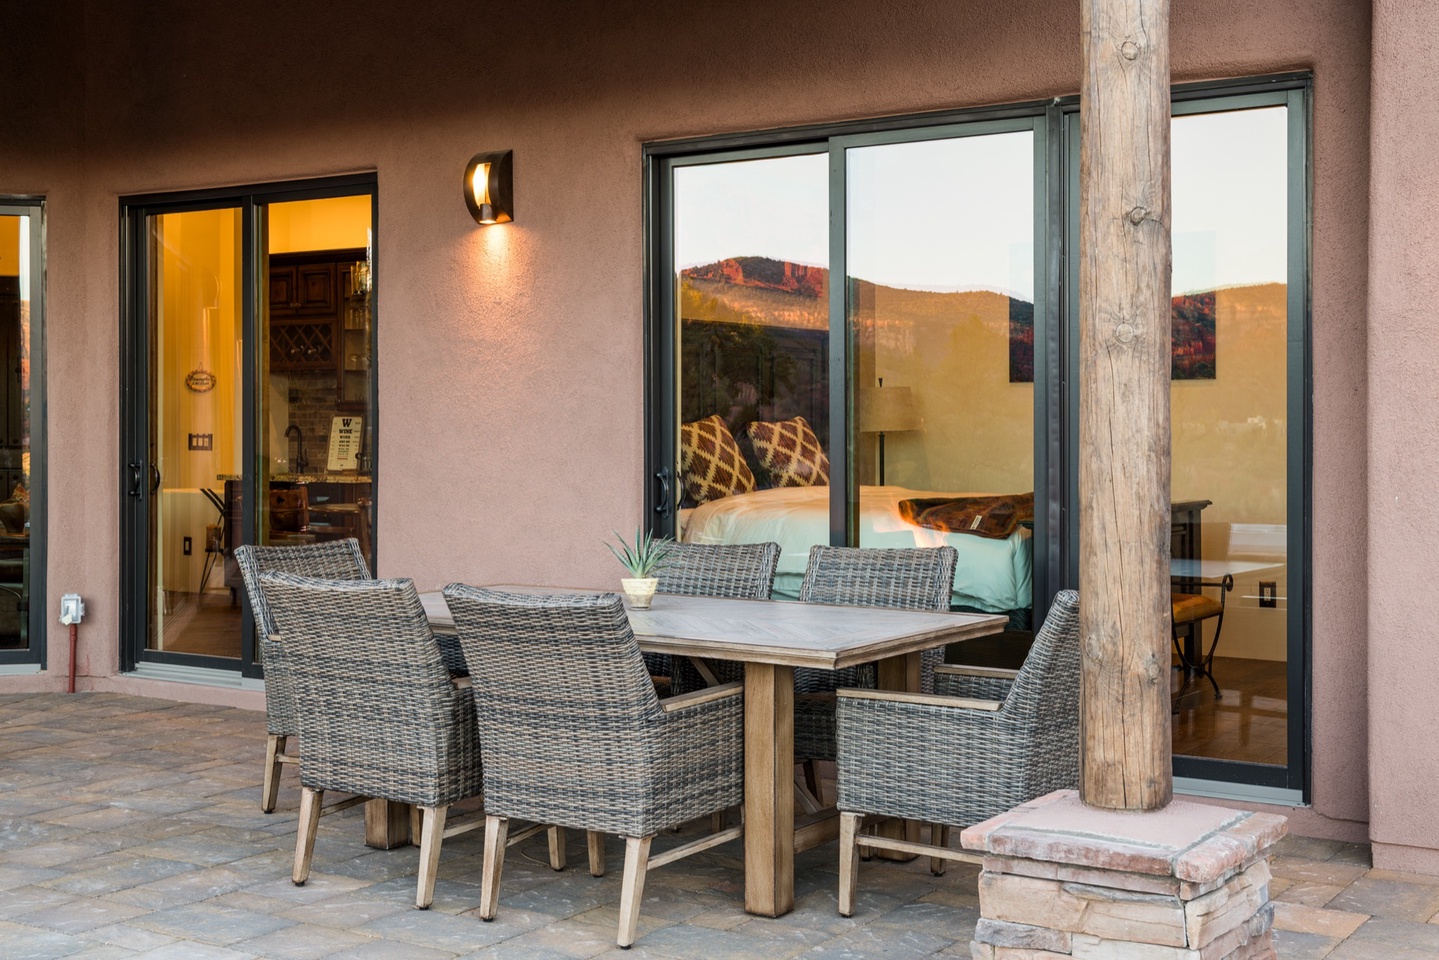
[
  {"x": 335, "y": 223},
  {"x": 511, "y": 370}
]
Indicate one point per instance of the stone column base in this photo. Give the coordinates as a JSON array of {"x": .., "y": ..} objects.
[{"x": 1062, "y": 881}]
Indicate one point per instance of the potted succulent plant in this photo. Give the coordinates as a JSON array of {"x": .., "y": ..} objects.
[{"x": 641, "y": 558}]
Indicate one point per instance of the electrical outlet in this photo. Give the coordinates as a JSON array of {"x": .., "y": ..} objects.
[
  {"x": 202, "y": 441},
  {"x": 188, "y": 546},
  {"x": 1268, "y": 593}
]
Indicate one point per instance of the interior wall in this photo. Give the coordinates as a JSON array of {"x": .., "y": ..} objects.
[
  {"x": 510, "y": 358},
  {"x": 9, "y": 246}
]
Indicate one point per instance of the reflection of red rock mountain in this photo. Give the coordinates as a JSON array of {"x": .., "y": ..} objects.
[{"x": 762, "y": 272}]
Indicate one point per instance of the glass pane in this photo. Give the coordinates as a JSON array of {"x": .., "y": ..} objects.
[
  {"x": 316, "y": 437},
  {"x": 752, "y": 251},
  {"x": 16, "y": 277},
  {"x": 195, "y": 430},
  {"x": 940, "y": 240},
  {"x": 1229, "y": 404}
]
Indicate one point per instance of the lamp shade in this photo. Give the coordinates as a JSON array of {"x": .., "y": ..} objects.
[
  {"x": 887, "y": 410},
  {"x": 489, "y": 187}
]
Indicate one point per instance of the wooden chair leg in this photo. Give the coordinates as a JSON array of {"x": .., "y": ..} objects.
[
  {"x": 719, "y": 820},
  {"x": 939, "y": 836},
  {"x": 417, "y": 823},
  {"x": 310, "y": 803},
  {"x": 632, "y": 888},
  {"x": 811, "y": 781},
  {"x": 849, "y": 826},
  {"x": 274, "y": 749},
  {"x": 558, "y": 860},
  {"x": 497, "y": 831},
  {"x": 432, "y": 832},
  {"x": 597, "y": 852}
]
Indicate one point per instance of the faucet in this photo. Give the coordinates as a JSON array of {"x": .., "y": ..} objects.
[{"x": 300, "y": 462}]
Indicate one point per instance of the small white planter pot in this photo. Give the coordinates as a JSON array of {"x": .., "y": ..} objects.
[{"x": 640, "y": 591}]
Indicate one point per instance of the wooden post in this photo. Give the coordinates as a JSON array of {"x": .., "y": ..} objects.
[{"x": 1124, "y": 314}]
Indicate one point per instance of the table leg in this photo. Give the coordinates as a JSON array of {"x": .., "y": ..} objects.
[
  {"x": 387, "y": 824},
  {"x": 899, "y": 673},
  {"x": 768, "y": 789}
]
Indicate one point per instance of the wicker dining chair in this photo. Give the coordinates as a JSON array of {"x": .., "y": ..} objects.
[
  {"x": 986, "y": 741},
  {"x": 379, "y": 716},
  {"x": 913, "y": 578},
  {"x": 743, "y": 571},
  {"x": 331, "y": 560},
  {"x": 575, "y": 735}
]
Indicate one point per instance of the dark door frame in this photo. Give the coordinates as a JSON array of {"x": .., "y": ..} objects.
[{"x": 134, "y": 460}]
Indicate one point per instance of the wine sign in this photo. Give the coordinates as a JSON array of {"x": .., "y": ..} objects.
[{"x": 345, "y": 436}]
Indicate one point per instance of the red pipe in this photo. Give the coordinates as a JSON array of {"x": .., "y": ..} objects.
[{"x": 74, "y": 631}]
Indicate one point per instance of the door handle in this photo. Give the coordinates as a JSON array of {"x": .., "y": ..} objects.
[
  {"x": 662, "y": 505},
  {"x": 154, "y": 478},
  {"x": 135, "y": 478}
]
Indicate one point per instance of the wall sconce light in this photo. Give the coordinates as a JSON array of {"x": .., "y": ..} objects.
[{"x": 490, "y": 187}]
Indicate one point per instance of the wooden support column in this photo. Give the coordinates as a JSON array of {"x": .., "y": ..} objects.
[{"x": 1124, "y": 313}]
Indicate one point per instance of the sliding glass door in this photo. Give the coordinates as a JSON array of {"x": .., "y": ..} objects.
[
  {"x": 22, "y": 425},
  {"x": 248, "y": 403},
  {"x": 873, "y": 411}
]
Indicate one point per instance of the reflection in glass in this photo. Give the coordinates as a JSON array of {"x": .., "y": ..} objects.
[
  {"x": 1230, "y": 432},
  {"x": 940, "y": 241},
  {"x": 751, "y": 252},
  {"x": 16, "y": 277},
  {"x": 195, "y": 431}
]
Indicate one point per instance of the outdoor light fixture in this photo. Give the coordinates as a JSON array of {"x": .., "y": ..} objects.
[{"x": 490, "y": 187}]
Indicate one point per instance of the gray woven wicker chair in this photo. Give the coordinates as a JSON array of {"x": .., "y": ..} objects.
[
  {"x": 379, "y": 716},
  {"x": 986, "y": 742},
  {"x": 332, "y": 560},
  {"x": 644, "y": 764},
  {"x": 916, "y": 578},
  {"x": 743, "y": 571}
]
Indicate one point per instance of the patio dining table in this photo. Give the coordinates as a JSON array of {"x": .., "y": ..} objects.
[{"x": 771, "y": 638}]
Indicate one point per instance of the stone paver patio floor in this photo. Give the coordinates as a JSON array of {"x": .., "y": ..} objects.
[{"x": 131, "y": 827}]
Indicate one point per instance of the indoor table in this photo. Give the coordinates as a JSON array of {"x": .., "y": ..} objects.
[{"x": 771, "y": 638}]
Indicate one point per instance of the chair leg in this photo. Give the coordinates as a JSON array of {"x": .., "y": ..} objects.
[
  {"x": 497, "y": 831},
  {"x": 719, "y": 820},
  {"x": 558, "y": 860},
  {"x": 417, "y": 823},
  {"x": 811, "y": 781},
  {"x": 632, "y": 888},
  {"x": 849, "y": 826},
  {"x": 432, "y": 833},
  {"x": 597, "y": 852},
  {"x": 939, "y": 836},
  {"x": 274, "y": 748},
  {"x": 310, "y": 803}
]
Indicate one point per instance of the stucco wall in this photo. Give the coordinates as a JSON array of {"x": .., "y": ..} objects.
[
  {"x": 1404, "y": 437},
  {"x": 510, "y": 358}
]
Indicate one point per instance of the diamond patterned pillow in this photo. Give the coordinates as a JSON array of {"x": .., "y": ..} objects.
[
  {"x": 711, "y": 462},
  {"x": 790, "y": 452}
]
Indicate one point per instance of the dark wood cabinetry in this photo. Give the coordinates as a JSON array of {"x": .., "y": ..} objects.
[{"x": 319, "y": 319}]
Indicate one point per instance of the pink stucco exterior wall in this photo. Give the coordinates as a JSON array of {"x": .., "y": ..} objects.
[
  {"x": 510, "y": 358},
  {"x": 1403, "y": 354}
]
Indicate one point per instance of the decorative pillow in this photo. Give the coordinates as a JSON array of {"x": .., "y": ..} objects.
[
  {"x": 711, "y": 462},
  {"x": 790, "y": 453}
]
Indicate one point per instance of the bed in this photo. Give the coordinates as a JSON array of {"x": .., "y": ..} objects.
[{"x": 992, "y": 575}]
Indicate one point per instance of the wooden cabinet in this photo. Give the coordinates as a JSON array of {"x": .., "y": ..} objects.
[{"x": 310, "y": 307}]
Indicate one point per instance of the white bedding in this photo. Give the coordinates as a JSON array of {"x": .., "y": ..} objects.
[{"x": 991, "y": 575}]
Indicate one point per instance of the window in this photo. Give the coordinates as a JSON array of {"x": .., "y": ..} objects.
[{"x": 786, "y": 405}]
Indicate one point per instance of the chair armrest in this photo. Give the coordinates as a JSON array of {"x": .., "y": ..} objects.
[
  {"x": 965, "y": 670},
  {"x": 696, "y": 697},
  {"x": 922, "y": 699}
]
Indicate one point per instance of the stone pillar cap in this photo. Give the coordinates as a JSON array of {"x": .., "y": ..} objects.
[{"x": 1194, "y": 842}]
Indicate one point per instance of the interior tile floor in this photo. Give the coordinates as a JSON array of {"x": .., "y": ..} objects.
[{"x": 131, "y": 828}]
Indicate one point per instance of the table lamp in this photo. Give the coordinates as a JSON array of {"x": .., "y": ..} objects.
[{"x": 886, "y": 410}]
